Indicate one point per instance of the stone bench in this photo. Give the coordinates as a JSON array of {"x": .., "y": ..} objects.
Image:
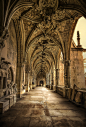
[
  {"x": 4, "y": 105},
  {"x": 10, "y": 98},
  {"x": 60, "y": 90},
  {"x": 74, "y": 95},
  {"x": 7, "y": 102},
  {"x": 14, "y": 98},
  {"x": 83, "y": 97}
]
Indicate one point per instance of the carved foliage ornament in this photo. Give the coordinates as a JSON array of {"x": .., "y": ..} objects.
[
  {"x": 48, "y": 3},
  {"x": 42, "y": 13},
  {"x": 47, "y": 9}
]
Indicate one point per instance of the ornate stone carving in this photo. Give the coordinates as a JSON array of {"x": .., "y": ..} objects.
[
  {"x": 15, "y": 88},
  {"x": 47, "y": 3},
  {"x": 4, "y": 64},
  {"x": 42, "y": 14},
  {"x": 12, "y": 88}
]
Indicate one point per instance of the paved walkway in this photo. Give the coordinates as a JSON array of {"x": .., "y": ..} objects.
[{"x": 42, "y": 107}]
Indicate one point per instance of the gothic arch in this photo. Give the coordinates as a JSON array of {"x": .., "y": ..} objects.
[{"x": 71, "y": 35}]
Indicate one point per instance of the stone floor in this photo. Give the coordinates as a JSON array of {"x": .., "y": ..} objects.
[{"x": 42, "y": 107}]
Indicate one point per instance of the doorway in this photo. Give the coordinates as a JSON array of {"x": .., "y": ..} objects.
[{"x": 41, "y": 83}]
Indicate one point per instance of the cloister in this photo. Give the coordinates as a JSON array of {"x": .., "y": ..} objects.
[{"x": 37, "y": 51}]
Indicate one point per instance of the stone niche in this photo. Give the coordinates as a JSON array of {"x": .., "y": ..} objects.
[{"x": 7, "y": 88}]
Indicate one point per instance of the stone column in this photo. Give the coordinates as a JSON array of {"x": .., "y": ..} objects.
[
  {"x": 26, "y": 78},
  {"x": 35, "y": 82},
  {"x": 67, "y": 73},
  {"x": 57, "y": 77},
  {"x": 49, "y": 81},
  {"x": 19, "y": 80},
  {"x": 19, "y": 69},
  {"x": 27, "y": 81},
  {"x": 52, "y": 81},
  {"x": 30, "y": 82}
]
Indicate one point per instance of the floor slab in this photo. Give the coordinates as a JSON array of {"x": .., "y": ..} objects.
[{"x": 42, "y": 107}]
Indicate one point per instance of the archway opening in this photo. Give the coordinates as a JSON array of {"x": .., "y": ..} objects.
[
  {"x": 80, "y": 26},
  {"x": 41, "y": 83}
]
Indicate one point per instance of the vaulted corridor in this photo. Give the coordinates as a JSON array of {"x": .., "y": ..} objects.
[{"x": 42, "y": 107}]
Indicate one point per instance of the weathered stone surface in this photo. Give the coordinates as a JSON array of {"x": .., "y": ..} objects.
[
  {"x": 10, "y": 98},
  {"x": 53, "y": 111},
  {"x": 76, "y": 67},
  {"x": 4, "y": 103},
  {"x": 78, "y": 97},
  {"x": 69, "y": 93},
  {"x": 2, "y": 110},
  {"x": 73, "y": 92},
  {"x": 4, "y": 106},
  {"x": 14, "y": 98}
]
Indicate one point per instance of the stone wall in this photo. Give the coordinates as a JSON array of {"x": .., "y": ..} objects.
[
  {"x": 76, "y": 67},
  {"x": 8, "y": 63},
  {"x": 61, "y": 73},
  {"x": 74, "y": 94}
]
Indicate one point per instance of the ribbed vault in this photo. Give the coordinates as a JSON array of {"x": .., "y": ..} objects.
[{"x": 45, "y": 27}]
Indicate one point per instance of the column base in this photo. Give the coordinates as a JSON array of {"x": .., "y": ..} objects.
[
  {"x": 19, "y": 95},
  {"x": 54, "y": 88},
  {"x": 27, "y": 89},
  {"x": 50, "y": 87}
]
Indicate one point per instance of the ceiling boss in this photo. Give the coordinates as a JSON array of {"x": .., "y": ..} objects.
[
  {"x": 43, "y": 13},
  {"x": 48, "y": 3},
  {"x": 47, "y": 9}
]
